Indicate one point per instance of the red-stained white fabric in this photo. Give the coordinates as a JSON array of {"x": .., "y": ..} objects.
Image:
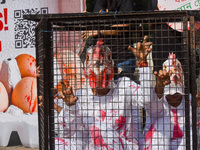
[
  {"x": 111, "y": 121},
  {"x": 166, "y": 131},
  {"x": 165, "y": 127}
]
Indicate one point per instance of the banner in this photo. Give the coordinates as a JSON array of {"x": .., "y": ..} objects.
[
  {"x": 18, "y": 89},
  {"x": 179, "y": 5}
]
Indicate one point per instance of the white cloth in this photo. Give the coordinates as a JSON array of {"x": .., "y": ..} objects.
[
  {"x": 166, "y": 130},
  {"x": 107, "y": 122}
]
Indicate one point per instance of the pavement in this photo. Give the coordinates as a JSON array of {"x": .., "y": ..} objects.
[
  {"x": 15, "y": 143},
  {"x": 20, "y": 147}
]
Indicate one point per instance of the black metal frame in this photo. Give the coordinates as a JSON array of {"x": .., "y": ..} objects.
[
  {"x": 44, "y": 60},
  {"x": 44, "y": 55}
]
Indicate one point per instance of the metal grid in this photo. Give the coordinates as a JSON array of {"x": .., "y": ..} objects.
[
  {"x": 40, "y": 89},
  {"x": 129, "y": 115}
]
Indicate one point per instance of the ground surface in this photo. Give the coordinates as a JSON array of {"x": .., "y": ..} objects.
[
  {"x": 17, "y": 148},
  {"x": 15, "y": 143}
]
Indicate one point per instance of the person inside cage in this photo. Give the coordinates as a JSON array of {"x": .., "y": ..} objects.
[
  {"x": 117, "y": 36},
  {"x": 167, "y": 130},
  {"x": 104, "y": 114},
  {"x": 166, "y": 37}
]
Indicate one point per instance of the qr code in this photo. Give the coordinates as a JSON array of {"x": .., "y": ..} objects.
[{"x": 25, "y": 29}]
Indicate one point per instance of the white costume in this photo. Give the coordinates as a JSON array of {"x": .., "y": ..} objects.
[
  {"x": 166, "y": 130},
  {"x": 106, "y": 122}
]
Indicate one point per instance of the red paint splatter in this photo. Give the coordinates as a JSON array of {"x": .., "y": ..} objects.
[
  {"x": 83, "y": 125},
  {"x": 34, "y": 105},
  {"x": 149, "y": 136},
  {"x": 120, "y": 122},
  {"x": 31, "y": 99},
  {"x": 97, "y": 137},
  {"x": 120, "y": 139},
  {"x": 62, "y": 124},
  {"x": 198, "y": 123},
  {"x": 62, "y": 141},
  {"x": 177, "y": 132},
  {"x": 103, "y": 114},
  {"x": 28, "y": 98},
  {"x": 114, "y": 141},
  {"x": 123, "y": 133},
  {"x": 65, "y": 68}
]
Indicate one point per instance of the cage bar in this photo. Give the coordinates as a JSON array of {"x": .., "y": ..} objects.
[{"x": 65, "y": 57}]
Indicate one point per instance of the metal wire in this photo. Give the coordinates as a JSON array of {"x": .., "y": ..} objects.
[{"x": 127, "y": 113}]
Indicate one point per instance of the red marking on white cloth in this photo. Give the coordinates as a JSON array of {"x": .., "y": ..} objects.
[
  {"x": 168, "y": 23},
  {"x": 123, "y": 133},
  {"x": 97, "y": 138},
  {"x": 136, "y": 88},
  {"x": 120, "y": 139},
  {"x": 113, "y": 112},
  {"x": 149, "y": 136},
  {"x": 103, "y": 115},
  {"x": 177, "y": 132},
  {"x": 62, "y": 124},
  {"x": 83, "y": 125},
  {"x": 120, "y": 122},
  {"x": 198, "y": 123},
  {"x": 62, "y": 141}
]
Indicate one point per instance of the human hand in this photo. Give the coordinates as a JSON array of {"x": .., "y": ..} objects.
[
  {"x": 68, "y": 95},
  {"x": 163, "y": 79},
  {"x": 38, "y": 71},
  {"x": 40, "y": 101},
  {"x": 57, "y": 108},
  {"x": 141, "y": 51}
]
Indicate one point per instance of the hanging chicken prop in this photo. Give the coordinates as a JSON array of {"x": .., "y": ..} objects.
[
  {"x": 174, "y": 65},
  {"x": 174, "y": 91}
]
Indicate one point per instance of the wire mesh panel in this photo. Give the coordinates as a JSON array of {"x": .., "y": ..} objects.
[
  {"x": 197, "y": 48},
  {"x": 125, "y": 81},
  {"x": 44, "y": 62}
]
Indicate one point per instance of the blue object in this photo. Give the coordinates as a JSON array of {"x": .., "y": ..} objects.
[
  {"x": 128, "y": 65},
  {"x": 102, "y": 11},
  {"x": 115, "y": 14}
]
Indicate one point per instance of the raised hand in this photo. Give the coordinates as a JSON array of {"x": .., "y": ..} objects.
[
  {"x": 163, "y": 79},
  {"x": 68, "y": 96},
  {"x": 141, "y": 51}
]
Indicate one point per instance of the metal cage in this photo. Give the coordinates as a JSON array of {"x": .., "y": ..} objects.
[{"x": 125, "y": 121}]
